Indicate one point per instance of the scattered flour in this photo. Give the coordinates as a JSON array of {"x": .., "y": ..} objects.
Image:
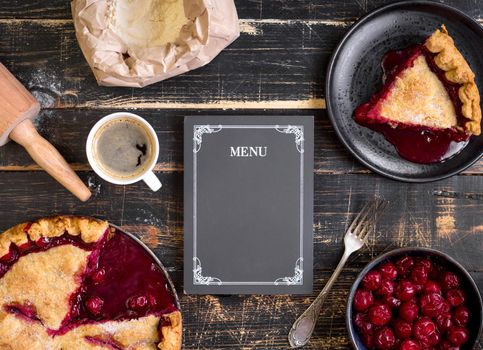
[
  {"x": 147, "y": 217},
  {"x": 44, "y": 85},
  {"x": 45, "y": 119},
  {"x": 93, "y": 186}
]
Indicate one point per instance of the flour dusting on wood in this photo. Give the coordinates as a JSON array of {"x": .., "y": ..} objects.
[{"x": 45, "y": 85}]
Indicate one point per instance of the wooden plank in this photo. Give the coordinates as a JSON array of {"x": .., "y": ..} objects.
[
  {"x": 282, "y": 69},
  {"x": 228, "y": 321},
  {"x": 445, "y": 215},
  {"x": 346, "y": 10},
  {"x": 67, "y": 129}
]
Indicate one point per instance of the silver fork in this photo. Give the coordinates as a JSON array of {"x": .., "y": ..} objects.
[{"x": 354, "y": 239}]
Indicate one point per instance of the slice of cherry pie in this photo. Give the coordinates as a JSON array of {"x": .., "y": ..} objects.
[
  {"x": 429, "y": 105},
  {"x": 77, "y": 283}
]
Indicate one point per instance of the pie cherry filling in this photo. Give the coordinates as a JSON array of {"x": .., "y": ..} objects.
[
  {"x": 121, "y": 281},
  {"x": 417, "y": 137},
  {"x": 124, "y": 283}
]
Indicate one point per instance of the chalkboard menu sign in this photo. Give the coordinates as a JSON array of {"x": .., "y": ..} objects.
[{"x": 248, "y": 195}]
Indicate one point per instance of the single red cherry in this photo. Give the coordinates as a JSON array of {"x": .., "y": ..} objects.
[
  {"x": 457, "y": 335},
  {"x": 410, "y": 344},
  {"x": 423, "y": 328},
  {"x": 363, "y": 299},
  {"x": 432, "y": 340},
  {"x": 392, "y": 302},
  {"x": 359, "y": 318},
  {"x": 137, "y": 302},
  {"x": 419, "y": 274},
  {"x": 94, "y": 305},
  {"x": 431, "y": 304},
  {"x": 403, "y": 329},
  {"x": 409, "y": 311},
  {"x": 446, "y": 307},
  {"x": 443, "y": 321},
  {"x": 387, "y": 288},
  {"x": 450, "y": 280},
  {"x": 461, "y": 315},
  {"x": 432, "y": 287},
  {"x": 388, "y": 270},
  {"x": 363, "y": 324},
  {"x": 98, "y": 276},
  {"x": 372, "y": 280},
  {"x": 404, "y": 265},
  {"x": 425, "y": 262},
  {"x": 380, "y": 315},
  {"x": 405, "y": 290},
  {"x": 384, "y": 339},
  {"x": 455, "y": 297}
]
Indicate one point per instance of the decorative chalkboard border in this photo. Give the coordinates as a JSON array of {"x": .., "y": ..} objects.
[{"x": 198, "y": 132}]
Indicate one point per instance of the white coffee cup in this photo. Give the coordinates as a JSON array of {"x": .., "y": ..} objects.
[{"x": 147, "y": 174}]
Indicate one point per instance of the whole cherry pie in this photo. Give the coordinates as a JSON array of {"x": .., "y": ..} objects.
[
  {"x": 429, "y": 105},
  {"x": 77, "y": 283}
]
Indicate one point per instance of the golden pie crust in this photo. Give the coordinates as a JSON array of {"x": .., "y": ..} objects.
[
  {"x": 56, "y": 270},
  {"x": 451, "y": 61},
  {"x": 45, "y": 280},
  {"x": 89, "y": 229},
  {"x": 418, "y": 97}
]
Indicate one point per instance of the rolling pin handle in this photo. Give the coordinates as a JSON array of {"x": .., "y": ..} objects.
[{"x": 45, "y": 155}]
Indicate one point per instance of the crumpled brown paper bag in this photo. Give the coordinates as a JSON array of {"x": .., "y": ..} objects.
[{"x": 212, "y": 25}]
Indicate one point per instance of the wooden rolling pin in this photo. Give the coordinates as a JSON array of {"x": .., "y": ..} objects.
[{"x": 17, "y": 109}]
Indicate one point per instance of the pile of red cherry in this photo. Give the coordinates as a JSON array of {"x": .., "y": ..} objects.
[{"x": 412, "y": 304}]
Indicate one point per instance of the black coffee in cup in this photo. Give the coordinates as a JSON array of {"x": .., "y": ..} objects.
[{"x": 123, "y": 148}]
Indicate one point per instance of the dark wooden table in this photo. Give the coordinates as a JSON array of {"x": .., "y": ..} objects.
[{"x": 277, "y": 66}]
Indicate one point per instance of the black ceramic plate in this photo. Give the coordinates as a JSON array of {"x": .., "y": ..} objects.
[{"x": 355, "y": 73}]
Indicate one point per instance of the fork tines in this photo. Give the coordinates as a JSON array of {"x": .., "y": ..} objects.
[{"x": 367, "y": 218}]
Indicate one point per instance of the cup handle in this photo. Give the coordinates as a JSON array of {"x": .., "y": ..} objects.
[{"x": 152, "y": 181}]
